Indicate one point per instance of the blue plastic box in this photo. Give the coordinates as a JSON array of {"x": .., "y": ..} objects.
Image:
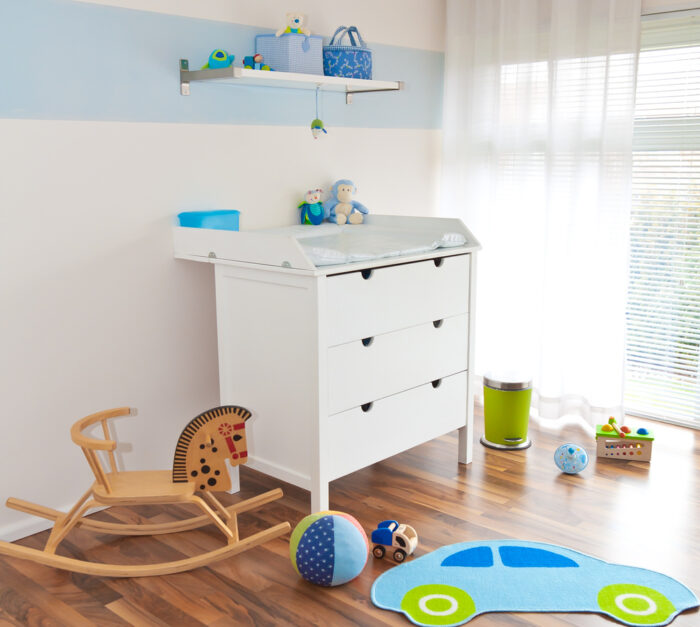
[
  {"x": 292, "y": 52},
  {"x": 222, "y": 219}
]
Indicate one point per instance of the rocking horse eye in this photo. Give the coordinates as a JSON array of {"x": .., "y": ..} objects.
[{"x": 237, "y": 437}]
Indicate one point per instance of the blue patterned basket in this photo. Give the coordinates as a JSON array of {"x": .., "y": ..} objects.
[
  {"x": 291, "y": 52},
  {"x": 353, "y": 61}
]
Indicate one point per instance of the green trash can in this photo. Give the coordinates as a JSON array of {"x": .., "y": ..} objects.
[{"x": 506, "y": 413}]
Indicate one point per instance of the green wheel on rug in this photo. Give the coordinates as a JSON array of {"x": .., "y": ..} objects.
[
  {"x": 635, "y": 604},
  {"x": 438, "y": 604}
]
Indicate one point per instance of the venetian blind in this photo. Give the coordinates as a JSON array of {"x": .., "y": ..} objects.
[{"x": 663, "y": 311}]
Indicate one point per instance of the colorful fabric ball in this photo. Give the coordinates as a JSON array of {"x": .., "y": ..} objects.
[
  {"x": 570, "y": 458},
  {"x": 328, "y": 548}
]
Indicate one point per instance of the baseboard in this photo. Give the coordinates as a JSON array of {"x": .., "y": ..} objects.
[
  {"x": 23, "y": 528},
  {"x": 279, "y": 472},
  {"x": 29, "y": 525}
]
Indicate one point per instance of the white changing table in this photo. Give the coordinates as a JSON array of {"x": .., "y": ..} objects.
[{"x": 341, "y": 365}]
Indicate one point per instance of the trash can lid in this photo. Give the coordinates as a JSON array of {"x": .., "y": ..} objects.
[{"x": 507, "y": 382}]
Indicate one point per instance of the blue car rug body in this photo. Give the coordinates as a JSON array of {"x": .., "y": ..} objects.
[{"x": 455, "y": 583}]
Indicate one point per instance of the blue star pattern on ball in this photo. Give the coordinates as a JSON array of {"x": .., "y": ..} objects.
[{"x": 315, "y": 558}]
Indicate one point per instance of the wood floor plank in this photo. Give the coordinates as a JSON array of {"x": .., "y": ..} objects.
[
  {"x": 184, "y": 594},
  {"x": 7, "y": 621},
  {"x": 138, "y": 593},
  {"x": 36, "y": 597},
  {"x": 628, "y": 512},
  {"x": 87, "y": 595},
  {"x": 134, "y": 614},
  {"x": 22, "y": 610}
]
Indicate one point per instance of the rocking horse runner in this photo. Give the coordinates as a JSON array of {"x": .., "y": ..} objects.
[{"x": 204, "y": 446}]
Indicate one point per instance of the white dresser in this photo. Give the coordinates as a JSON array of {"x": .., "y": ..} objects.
[{"x": 341, "y": 365}]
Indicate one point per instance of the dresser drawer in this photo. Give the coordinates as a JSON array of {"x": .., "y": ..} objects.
[
  {"x": 370, "y": 302},
  {"x": 357, "y": 438},
  {"x": 379, "y": 366}
]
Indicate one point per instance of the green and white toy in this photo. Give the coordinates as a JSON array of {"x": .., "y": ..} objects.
[
  {"x": 317, "y": 128},
  {"x": 218, "y": 59},
  {"x": 623, "y": 443}
]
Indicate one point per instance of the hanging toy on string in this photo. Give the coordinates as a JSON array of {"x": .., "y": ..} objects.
[
  {"x": 317, "y": 128},
  {"x": 317, "y": 124}
]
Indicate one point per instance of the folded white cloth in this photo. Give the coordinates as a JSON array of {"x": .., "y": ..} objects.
[{"x": 330, "y": 244}]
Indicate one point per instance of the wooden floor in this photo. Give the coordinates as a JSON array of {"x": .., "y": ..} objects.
[{"x": 633, "y": 513}]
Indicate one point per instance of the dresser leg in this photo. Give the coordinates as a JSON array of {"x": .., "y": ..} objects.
[
  {"x": 465, "y": 446},
  {"x": 319, "y": 497}
]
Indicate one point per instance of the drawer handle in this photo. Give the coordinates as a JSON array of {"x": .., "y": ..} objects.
[
  {"x": 366, "y": 274},
  {"x": 367, "y": 341},
  {"x": 437, "y": 323},
  {"x": 438, "y": 261},
  {"x": 366, "y": 407},
  {"x": 436, "y": 383}
]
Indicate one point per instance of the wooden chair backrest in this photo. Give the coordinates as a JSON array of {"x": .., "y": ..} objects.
[{"x": 90, "y": 446}]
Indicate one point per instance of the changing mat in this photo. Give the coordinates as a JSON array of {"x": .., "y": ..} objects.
[{"x": 329, "y": 244}]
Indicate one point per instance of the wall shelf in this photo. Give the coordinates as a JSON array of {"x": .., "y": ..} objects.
[{"x": 261, "y": 78}]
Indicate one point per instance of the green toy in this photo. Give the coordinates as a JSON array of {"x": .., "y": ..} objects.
[
  {"x": 218, "y": 59},
  {"x": 617, "y": 442},
  {"x": 317, "y": 128},
  {"x": 317, "y": 124}
]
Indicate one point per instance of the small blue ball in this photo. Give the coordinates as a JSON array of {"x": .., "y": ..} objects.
[{"x": 571, "y": 458}]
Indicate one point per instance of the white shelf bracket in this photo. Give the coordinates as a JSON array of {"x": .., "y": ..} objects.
[{"x": 349, "y": 93}]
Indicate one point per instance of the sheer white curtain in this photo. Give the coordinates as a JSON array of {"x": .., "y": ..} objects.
[{"x": 538, "y": 120}]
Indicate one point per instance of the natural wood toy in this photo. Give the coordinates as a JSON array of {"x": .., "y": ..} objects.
[
  {"x": 621, "y": 433},
  {"x": 199, "y": 466},
  {"x": 390, "y": 533},
  {"x": 620, "y": 443}
]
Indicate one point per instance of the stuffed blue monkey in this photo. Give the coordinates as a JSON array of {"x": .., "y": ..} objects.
[{"x": 340, "y": 207}]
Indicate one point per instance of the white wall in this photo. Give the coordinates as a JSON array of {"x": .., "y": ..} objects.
[
  {"x": 412, "y": 23},
  {"x": 95, "y": 312}
]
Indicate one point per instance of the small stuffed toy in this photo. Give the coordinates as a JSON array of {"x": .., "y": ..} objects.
[
  {"x": 340, "y": 207},
  {"x": 312, "y": 209},
  {"x": 317, "y": 128},
  {"x": 295, "y": 24},
  {"x": 255, "y": 62},
  {"x": 218, "y": 59}
]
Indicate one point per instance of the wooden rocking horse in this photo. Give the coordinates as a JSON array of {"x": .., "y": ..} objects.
[{"x": 199, "y": 467}]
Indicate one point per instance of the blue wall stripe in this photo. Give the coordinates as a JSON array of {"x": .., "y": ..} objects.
[{"x": 70, "y": 60}]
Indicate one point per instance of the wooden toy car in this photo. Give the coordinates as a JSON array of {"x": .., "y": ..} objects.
[
  {"x": 255, "y": 62},
  {"x": 389, "y": 533}
]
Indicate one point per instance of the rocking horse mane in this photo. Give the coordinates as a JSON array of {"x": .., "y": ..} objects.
[{"x": 239, "y": 414}]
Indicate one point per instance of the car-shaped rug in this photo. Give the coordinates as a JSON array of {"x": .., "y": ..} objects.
[{"x": 454, "y": 584}]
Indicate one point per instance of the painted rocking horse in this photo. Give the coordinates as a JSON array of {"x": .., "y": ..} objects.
[{"x": 199, "y": 468}]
